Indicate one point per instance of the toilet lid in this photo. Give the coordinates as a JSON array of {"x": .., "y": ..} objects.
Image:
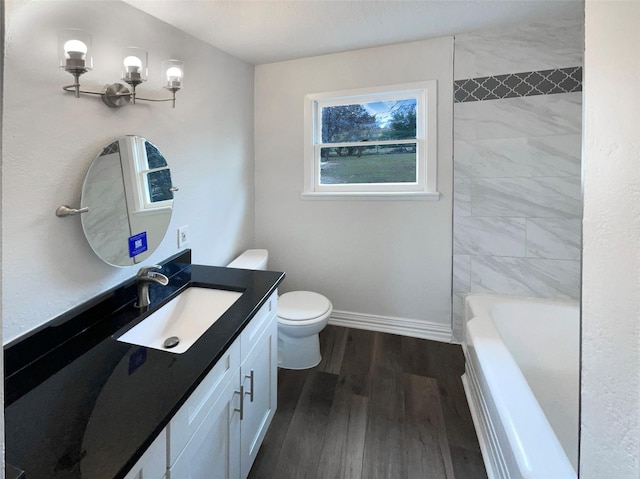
[{"x": 302, "y": 305}]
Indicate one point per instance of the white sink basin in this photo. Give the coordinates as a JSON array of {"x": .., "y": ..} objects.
[{"x": 186, "y": 317}]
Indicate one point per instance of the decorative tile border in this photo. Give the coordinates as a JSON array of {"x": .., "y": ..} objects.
[
  {"x": 542, "y": 82},
  {"x": 111, "y": 148}
]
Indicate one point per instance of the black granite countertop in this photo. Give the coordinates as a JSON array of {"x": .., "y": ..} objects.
[{"x": 80, "y": 404}]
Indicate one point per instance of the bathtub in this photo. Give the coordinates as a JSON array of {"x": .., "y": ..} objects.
[{"x": 522, "y": 383}]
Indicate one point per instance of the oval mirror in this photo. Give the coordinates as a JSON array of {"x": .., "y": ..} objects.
[{"x": 129, "y": 194}]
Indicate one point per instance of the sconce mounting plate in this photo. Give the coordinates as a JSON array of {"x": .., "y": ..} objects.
[{"x": 116, "y": 95}]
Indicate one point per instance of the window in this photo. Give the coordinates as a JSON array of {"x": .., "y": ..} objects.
[
  {"x": 152, "y": 188},
  {"x": 158, "y": 175},
  {"x": 372, "y": 143}
]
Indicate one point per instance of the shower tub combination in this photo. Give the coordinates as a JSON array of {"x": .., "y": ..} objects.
[{"x": 522, "y": 384}]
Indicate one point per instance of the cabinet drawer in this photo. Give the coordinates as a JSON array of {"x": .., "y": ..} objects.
[
  {"x": 153, "y": 463},
  {"x": 260, "y": 322},
  {"x": 195, "y": 409}
]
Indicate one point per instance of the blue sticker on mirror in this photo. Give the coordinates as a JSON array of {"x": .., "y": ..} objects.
[{"x": 137, "y": 244}]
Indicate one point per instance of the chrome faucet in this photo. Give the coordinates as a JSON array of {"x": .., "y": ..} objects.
[{"x": 145, "y": 277}]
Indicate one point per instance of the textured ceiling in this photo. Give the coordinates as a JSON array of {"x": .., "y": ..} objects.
[{"x": 266, "y": 31}]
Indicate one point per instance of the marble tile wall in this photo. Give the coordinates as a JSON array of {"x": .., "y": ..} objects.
[
  {"x": 519, "y": 48},
  {"x": 517, "y": 190}
]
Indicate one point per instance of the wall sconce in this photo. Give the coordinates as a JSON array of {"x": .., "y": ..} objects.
[{"x": 74, "y": 52}]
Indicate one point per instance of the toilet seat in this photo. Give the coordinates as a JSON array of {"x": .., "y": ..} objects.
[{"x": 302, "y": 306}]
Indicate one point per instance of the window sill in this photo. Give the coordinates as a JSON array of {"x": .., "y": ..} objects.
[{"x": 372, "y": 196}]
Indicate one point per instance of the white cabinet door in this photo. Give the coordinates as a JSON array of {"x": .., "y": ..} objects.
[
  {"x": 260, "y": 400},
  {"x": 153, "y": 463},
  {"x": 190, "y": 416},
  {"x": 213, "y": 452}
]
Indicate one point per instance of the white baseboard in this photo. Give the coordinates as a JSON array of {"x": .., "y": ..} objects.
[{"x": 389, "y": 324}]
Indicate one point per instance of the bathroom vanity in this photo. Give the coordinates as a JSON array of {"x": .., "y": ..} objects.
[{"x": 80, "y": 403}]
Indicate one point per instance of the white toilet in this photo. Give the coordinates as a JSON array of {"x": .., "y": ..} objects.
[{"x": 301, "y": 317}]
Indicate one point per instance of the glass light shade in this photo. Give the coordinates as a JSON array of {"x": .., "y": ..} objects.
[
  {"x": 173, "y": 71},
  {"x": 74, "y": 50},
  {"x": 134, "y": 65}
]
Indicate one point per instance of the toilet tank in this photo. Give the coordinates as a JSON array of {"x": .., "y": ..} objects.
[{"x": 251, "y": 259}]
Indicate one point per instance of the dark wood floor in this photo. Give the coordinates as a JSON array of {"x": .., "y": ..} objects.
[{"x": 378, "y": 406}]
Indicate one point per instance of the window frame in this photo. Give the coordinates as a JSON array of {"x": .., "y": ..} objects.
[
  {"x": 425, "y": 187},
  {"x": 140, "y": 170}
]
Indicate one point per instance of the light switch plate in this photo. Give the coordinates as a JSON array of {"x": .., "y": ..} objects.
[{"x": 183, "y": 236}]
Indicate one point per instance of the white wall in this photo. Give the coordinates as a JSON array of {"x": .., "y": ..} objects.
[
  {"x": 50, "y": 138},
  {"x": 610, "y": 435},
  {"x": 1, "y": 155},
  {"x": 387, "y": 258}
]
